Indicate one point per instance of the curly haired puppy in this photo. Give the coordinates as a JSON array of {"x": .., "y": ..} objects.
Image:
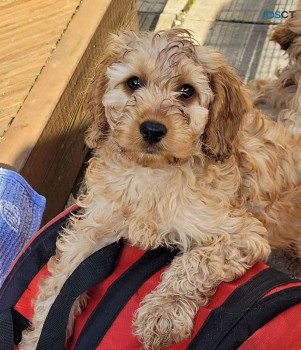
[
  {"x": 281, "y": 97},
  {"x": 181, "y": 159}
]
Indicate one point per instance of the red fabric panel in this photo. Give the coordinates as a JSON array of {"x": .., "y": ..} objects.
[
  {"x": 24, "y": 305},
  {"x": 128, "y": 256},
  {"x": 282, "y": 333},
  {"x": 119, "y": 336}
]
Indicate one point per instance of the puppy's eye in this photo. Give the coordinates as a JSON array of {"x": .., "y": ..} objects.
[
  {"x": 134, "y": 83},
  {"x": 186, "y": 91}
]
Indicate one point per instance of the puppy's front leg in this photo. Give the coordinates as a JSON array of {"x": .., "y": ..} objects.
[{"x": 166, "y": 315}]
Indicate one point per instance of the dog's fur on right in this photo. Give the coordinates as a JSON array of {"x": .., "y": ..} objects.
[
  {"x": 217, "y": 182},
  {"x": 280, "y": 97}
]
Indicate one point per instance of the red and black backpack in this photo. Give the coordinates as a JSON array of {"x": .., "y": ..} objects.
[{"x": 260, "y": 311}]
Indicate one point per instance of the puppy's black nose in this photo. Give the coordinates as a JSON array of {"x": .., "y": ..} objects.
[{"x": 152, "y": 132}]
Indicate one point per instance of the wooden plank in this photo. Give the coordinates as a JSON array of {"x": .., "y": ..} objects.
[
  {"x": 29, "y": 31},
  {"x": 46, "y": 139}
]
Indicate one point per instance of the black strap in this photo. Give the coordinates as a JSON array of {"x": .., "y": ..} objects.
[
  {"x": 264, "y": 311},
  {"x": 6, "y": 330},
  {"x": 89, "y": 273},
  {"x": 20, "y": 323},
  {"x": 221, "y": 321},
  {"x": 30, "y": 263},
  {"x": 14, "y": 285},
  {"x": 118, "y": 295},
  {"x": 13, "y": 323}
]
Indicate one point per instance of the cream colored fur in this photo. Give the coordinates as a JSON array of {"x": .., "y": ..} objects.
[{"x": 222, "y": 182}]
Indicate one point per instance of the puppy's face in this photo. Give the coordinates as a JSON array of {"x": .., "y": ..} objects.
[
  {"x": 162, "y": 98},
  {"x": 157, "y": 99}
]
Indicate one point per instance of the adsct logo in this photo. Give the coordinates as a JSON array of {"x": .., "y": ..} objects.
[{"x": 269, "y": 14}]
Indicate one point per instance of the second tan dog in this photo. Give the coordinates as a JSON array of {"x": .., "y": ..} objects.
[
  {"x": 181, "y": 159},
  {"x": 280, "y": 97}
]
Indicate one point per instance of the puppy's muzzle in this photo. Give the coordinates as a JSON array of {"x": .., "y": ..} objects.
[{"x": 152, "y": 132}]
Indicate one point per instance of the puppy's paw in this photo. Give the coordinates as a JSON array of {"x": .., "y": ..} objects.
[{"x": 163, "y": 319}]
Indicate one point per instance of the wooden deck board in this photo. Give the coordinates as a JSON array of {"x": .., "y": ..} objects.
[{"x": 29, "y": 32}]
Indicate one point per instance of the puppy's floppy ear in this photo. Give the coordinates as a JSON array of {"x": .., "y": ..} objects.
[
  {"x": 97, "y": 87},
  {"x": 283, "y": 35},
  {"x": 230, "y": 104}
]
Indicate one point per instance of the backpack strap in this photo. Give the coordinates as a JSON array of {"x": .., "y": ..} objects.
[
  {"x": 263, "y": 311},
  {"x": 219, "y": 331},
  {"x": 12, "y": 325},
  {"x": 33, "y": 258},
  {"x": 6, "y": 330},
  {"x": 89, "y": 273},
  {"x": 118, "y": 294}
]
